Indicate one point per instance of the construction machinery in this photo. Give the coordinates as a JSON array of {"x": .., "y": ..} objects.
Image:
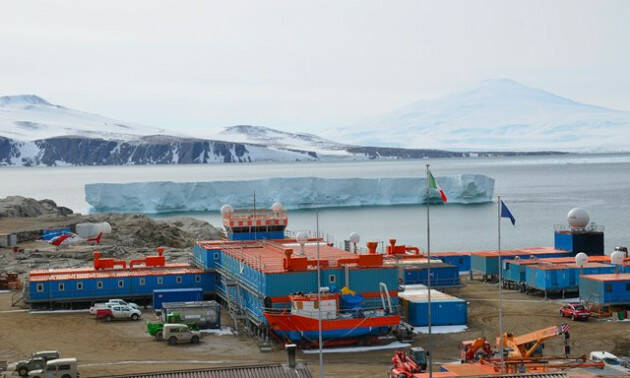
[
  {"x": 475, "y": 350},
  {"x": 406, "y": 365},
  {"x": 531, "y": 344}
]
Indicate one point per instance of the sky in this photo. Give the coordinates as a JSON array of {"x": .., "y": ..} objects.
[{"x": 303, "y": 65}]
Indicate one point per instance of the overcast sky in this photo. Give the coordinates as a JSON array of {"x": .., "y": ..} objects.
[{"x": 299, "y": 65}]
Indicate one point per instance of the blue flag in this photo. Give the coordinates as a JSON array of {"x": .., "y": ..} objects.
[{"x": 505, "y": 213}]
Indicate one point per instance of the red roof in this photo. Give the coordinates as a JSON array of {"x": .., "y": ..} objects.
[
  {"x": 89, "y": 273},
  {"x": 268, "y": 256},
  {"x": 548, "y": 266},
  {"x": 607, "y": 277},
  {"x": 536, "y": 251}
]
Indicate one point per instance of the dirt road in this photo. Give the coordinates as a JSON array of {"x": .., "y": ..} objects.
[{"x": 118, "y": 347}]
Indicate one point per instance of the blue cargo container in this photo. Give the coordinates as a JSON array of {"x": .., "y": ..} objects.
[
  {"x": 460, "y": 260},
  {"x": 176, "y": 295},
  {"x": 605, "y": 289},
  {"x": 445, "y": 309},
  {"x": 442, "y": 275}
]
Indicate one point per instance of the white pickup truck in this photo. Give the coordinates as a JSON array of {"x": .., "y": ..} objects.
[
  {"x": 118, "y": 312},
  {"x": 110, "y": 303}
]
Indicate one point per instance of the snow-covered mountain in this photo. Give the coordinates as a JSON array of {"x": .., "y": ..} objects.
[
  {"x": 282, "y": 139},
  {"x": 30, "y": 117},
  {"x": 497, "y": 115}
]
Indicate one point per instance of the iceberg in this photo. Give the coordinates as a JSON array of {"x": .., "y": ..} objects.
[{"x": 293, "y": 192}]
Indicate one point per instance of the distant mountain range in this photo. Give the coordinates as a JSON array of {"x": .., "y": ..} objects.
[{"x": 498, "y": 117}]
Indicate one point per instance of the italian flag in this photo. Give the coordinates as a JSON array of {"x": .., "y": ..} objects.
[{"x": 433, "y": 185}]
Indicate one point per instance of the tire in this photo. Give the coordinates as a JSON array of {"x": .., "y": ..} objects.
[
  {"x": 23, "y": 371},
  {"x": 134, "y": 317},
  {"x": 194, "y": 340},
  {"x": 172, "y": 340}
]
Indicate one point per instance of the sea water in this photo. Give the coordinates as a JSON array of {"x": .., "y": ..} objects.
[{"x": 539, "y": 190}]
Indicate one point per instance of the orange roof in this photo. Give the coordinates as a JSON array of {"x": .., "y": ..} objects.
[
  {"x": 543, "y": 266},
  {"x": 469, "y": 369},
  {"x": 268, "y": 256},
  {"x": 438, "y": 254},
  {"x": 519, "y": 252},
  {"x": 89, "y": 269},
  {"x": 81, "y": 274},
  {"x": 608, "y": 277}
]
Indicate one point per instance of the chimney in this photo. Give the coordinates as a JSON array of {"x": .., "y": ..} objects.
[{"x": 291, "y": 350}]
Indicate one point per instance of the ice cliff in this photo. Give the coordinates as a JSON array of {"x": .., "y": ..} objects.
[{"x": 294, "y": 193}]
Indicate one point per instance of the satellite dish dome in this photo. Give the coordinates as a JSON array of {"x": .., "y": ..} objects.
[
  {"x": 581, "y": 259},
  {"x": 617, "y": 257},
  {"x": 227, "y": 210},
  {"x": 277, "y": 207},
  {"x": 301, "y": 238},
  {"x": 354, "y": 238},
  {"x": 578, "y": 218}
]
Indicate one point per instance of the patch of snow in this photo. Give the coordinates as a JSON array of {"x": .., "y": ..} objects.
[
  {"x": 223, "y": 331},
  {"x": 293, "y": 192},
  {"x": 394, "y": 345},
  {"x": 440, "y": 329}
]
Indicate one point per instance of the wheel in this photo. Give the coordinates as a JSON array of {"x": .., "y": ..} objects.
[
  {"x": 23, "y": 371},
  {"x": 135, "y": 317},
  {"x": 172, "y": 340},
  {"x": 194, "y": 339},
  {"x": 109, "y": 318}
]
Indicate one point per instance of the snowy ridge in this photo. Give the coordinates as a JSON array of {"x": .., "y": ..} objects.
[
  {"x": 498, "y": 115},
  {"x": 294, "y": 193}
]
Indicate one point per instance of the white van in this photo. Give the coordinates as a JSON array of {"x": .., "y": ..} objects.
[{"x": 59, "y": 368}]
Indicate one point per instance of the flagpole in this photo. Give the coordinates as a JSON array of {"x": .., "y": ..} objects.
[
  {"x": 319, "y": 302},
  {"x": 429, "y": 349},
  {"x": 500, "y": 284}
]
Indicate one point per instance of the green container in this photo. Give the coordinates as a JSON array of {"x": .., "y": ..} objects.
[{"x": 621, "y": 315}]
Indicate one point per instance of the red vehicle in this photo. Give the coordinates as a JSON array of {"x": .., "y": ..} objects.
[{"x": 575, "y": 311}]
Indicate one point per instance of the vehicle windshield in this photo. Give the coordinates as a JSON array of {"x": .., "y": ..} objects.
[
  {"x": 611, "y": 361},
  {"x": 579, "y": 307}
]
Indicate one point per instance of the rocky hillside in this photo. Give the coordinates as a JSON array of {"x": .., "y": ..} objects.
[{"x": 18, "y": 206}]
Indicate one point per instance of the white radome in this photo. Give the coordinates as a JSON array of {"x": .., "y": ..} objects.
[
  {"x": 617, "y": 257},
  {"x": 227, "y": 210},
  {"x": 301, "y": 238},
  {"x": 578, "y": 218},
  {"x": 581, "y": 259},
  {"x": 277, "y": 207},
  {"x": 354, "y": 238}
]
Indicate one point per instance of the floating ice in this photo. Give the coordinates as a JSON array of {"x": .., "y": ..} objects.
[{"x": 292, "y": 192}]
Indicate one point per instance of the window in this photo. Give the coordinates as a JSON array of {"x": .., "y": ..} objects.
[
  {"x": 142, "y": 281},
  {"x": 40, "y": 288},
  {"x": 121, "y": 283},
  {"x": 51, "y": 368},
  {"x": 178, "y": 279},
  {"x": 332, "y": 278},
  {"x": 64, "y": 367},
  {"x": 61, "y": 287},
  {"x": 99, "y": 284},
  {"x": 197, "y": 278},
  {"x": 216, "y": 255},
  {"x": 79, "y": 286},
  {"x": 160, "y": 280},
  {"x": 608, "y": 288}
]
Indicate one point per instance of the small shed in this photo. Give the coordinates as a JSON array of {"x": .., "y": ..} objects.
[
  {"x": 605, "y": 289},
  {"x": 445, "y": 309}
]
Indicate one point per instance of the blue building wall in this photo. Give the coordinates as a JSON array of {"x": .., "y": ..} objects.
[
  {"x": 605, "y": 292},
  {"x": 443, "y": 312},
  {"x": 462, "y": 262},
  {"x": 116, "y": 287},
  {"x": 560, "y": 279},
  {"x": 268, "y": 235},
  {"x": 591, "y": 243},
  {"x": 442, "y": 275}
]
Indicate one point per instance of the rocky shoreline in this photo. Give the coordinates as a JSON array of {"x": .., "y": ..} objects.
[{"x": 132, "y": 236}]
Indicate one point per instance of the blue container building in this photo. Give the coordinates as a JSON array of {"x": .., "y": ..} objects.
[
  {"x": 605, "y": 289},
  {"x": 161, "y": 296},
  {"x": 445, "y": 309},
  {"x": 442, "y": 274},
  {"x": 561, "y": 277}
]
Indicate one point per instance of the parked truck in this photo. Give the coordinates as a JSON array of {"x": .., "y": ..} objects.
[
  {"x": 58, "y": 368},
  {"x": 180, "y": 333},
  {"x": 203, "y": 314},
  {"x": 35, "y": 362},
  {"x": 110, "y": 303},
  {"x": 155, "y": 328},
  {"x": 118, "y": 313}
]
